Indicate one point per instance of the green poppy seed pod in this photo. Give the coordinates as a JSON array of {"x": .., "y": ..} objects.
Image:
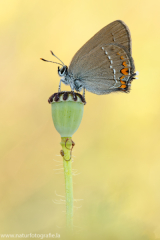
[{"x": 67, "y": 112}]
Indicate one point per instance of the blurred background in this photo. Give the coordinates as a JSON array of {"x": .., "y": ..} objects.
[{"x": 117, "y": 151}]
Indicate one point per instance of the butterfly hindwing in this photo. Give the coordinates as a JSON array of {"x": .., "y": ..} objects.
[{"x": 105, "y": 69}]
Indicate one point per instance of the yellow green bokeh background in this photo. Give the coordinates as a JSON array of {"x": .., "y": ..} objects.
[{"x": 117, "y": 151}]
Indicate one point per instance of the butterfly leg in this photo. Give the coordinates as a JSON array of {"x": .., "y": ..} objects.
[
  {"x": 84, "y": 92},
  {"x": 59, "y": 88},
  {"x": 72, "y": 87}
]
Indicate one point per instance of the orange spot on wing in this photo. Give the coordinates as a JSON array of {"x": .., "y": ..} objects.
[
  {"x": 123, "y": 86},
  {"x": 122, "y": 77},
  {"x": 124, "y": 71},
  {"x": 124, "y": 64},
  {"x": 123, "y": 82},
  {"x": 122, "y": 57}
]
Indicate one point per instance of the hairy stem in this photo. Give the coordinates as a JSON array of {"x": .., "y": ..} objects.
[{"x": 66, "y": 144}]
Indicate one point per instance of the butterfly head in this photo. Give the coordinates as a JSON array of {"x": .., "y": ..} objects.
[{"x": 63, "y": 73}]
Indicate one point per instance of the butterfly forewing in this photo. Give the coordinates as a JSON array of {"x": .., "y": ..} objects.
[{"x": 115, "y": 32}]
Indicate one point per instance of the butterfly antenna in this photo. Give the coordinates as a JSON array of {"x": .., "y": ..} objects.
[
  {"x": 57, "y": 58},
  {"x": 50, "y": 61}
]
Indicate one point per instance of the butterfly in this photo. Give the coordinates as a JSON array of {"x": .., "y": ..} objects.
[{"x": 103, "y": 65}]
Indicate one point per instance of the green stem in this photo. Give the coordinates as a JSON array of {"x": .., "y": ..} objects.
[{"x": 67, "y": 163}]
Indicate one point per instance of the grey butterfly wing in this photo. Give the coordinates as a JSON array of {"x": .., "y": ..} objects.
[
  {"x": 105, "y": 69},
  {"x": 115, "y": 32},
  {"x": 104, "y": 64}
]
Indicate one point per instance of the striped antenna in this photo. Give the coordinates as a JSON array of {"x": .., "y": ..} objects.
[
  {"x": 50, "y": 61},
  {"x": 57, "y": 58}
]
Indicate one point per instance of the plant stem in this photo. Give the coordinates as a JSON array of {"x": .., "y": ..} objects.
[{"x": 66, "y": 144}]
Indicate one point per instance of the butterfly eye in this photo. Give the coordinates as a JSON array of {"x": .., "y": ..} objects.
[{"x": 62, "y": 70}]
